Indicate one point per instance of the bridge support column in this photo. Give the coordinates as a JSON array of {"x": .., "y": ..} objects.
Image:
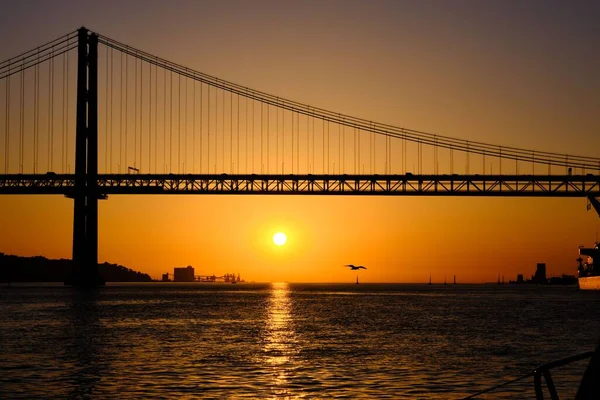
[{"x": 85, "y": 195}]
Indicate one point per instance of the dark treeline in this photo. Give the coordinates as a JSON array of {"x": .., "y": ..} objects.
[{"x": 42, "y": 269}]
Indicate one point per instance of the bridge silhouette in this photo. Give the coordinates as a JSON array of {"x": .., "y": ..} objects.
[{"x": 86, "y": 116}]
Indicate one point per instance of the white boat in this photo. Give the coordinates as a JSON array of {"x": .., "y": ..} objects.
[
  {"x": 589, "y": 283},
  {"x": 588, "y": 276}
]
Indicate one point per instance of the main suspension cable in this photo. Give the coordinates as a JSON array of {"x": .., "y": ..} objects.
[{"x": 377, "y": 128}]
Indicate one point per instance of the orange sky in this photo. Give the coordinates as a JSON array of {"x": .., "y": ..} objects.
[{"x": 522, "y": 75}]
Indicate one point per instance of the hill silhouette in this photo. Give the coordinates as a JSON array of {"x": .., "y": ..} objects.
[{"x": 41, "y": 269}]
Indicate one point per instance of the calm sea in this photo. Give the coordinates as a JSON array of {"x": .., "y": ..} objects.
[{"x": 166, "y": 340}]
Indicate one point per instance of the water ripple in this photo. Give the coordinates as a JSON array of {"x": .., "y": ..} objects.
[{"x": 287, "y": 341}]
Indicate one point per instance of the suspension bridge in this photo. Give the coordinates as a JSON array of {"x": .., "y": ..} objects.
[{"x": 86, "y": 116}]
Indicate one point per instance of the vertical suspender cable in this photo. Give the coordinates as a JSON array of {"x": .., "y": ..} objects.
[
  {"x": 390, "y": 152},
  {"x": 355, "y": 152},
  {"x": 37, "y": 130},
  {"x": 164, "y": 159},
  {"x": 261, "y": 138},
  {"x": 308, "y": 120},
  {"x": 216, "y": 129},
  {"x": 126, "y": 107},
  {"x": 387, "y": 154},
  {"x": 135, "y": 104},
  {"x": 323, "y": 143},
  {"x": 231, "y": 131},
  {"x": 404, "y": 149},
  {"x": 293, "y": 150},
  {"x": 268, "y": 134},
  {"x": 313, "y": 143},
  {"x": 35, "y": 113},
  {"x": 420, "y": 158},
  {"x": 22, "y": 120},
  {"x": 370, "y": 135},
  {"x": 339, "y": 150},
  {"x": 179, "y": 123},
  {"x": 51, "y": 113},
  {"x": 201, "y": 125},
  {"x": 7, "y": 125},
  {"x": 328, "y": 148},
  {"x": 307, "y": 140},
  {"x": 110, "y": 160},
  {"x": 391, "y": 143},
  {"x": 62, "y": 144},
  {"x": 110, "y": 127},
  {"x": 373, "y": 149},
  {"x": 500, "y": 160},
  {"x": 150, "y": 118},
  {"x": 121, "y": 114},
  {"x": 387, "y": 162},
  {"x": 435, "y": 155},
  {"x": 238, "y": 134},
  {"x": 358, "y": 133},
  {"x": 298, "y": 142},
  {"x": 64, "y": 118},
  {"x": 246, "y": 130},
  {"x": 468, "y": 154},
  {"x": 106, "y": 113},
  {"x": 208, "y": 131},
  {"x": 156, "y": 118},
  {"x": 171, "y": 122},
  {"x": 193, "y": 125},
  {"x": 283, "y": 141},
  {"x": 223, "y": 131},
  {"x": 141, "y": 110},
  {"x": 253, "y": 154},
  {"x": 185, "y": 133},
  {"x": 67, "y": 118},
  {"x": 277, "y": 136},
  {"x": 343, "y": 147}
]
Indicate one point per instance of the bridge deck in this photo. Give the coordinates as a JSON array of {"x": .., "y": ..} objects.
[{"x": 370, "y": 185}]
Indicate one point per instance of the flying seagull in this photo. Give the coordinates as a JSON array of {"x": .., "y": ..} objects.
[{"x": 354, "y": 267}]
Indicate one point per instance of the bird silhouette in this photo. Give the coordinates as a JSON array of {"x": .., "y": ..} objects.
[{"x": 355, "y": 267}]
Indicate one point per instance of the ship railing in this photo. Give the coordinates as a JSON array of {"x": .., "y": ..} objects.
[
  {"x": 544, "y": 370},
  {"x": 537, "y": 374}
]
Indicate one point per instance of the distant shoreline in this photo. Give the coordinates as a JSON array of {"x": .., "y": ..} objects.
[{"x": 38, "y": 269}]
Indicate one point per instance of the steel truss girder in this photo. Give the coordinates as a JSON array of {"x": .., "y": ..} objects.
[{"x": 368, "y": 185}]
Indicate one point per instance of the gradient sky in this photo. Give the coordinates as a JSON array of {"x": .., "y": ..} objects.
[{"x": 521, "y": 74}]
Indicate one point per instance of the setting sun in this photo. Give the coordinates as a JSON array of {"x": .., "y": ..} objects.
[{"x": 279, "y": 238}]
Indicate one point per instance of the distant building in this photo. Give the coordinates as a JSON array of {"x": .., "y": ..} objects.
[
  {"x": 184, "y": 274},
  {"x": 165, "y": 278},
  {"x": 540, "y": 274},
  {"x": 520, "y": 278}
]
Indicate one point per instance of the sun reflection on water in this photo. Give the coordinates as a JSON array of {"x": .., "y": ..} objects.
[{"x": 280, "y": 338}]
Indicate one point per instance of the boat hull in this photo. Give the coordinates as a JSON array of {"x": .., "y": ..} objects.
[{"x": 589, "y": 283}]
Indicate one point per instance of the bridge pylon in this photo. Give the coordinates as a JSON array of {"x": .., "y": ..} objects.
[{"x": 85, "y": 193}]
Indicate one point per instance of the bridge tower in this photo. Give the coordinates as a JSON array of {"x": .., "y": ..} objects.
[{"x": 85, "y": 193}]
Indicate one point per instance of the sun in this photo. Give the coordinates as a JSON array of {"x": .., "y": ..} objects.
[{"x": 279, "y": 238}]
